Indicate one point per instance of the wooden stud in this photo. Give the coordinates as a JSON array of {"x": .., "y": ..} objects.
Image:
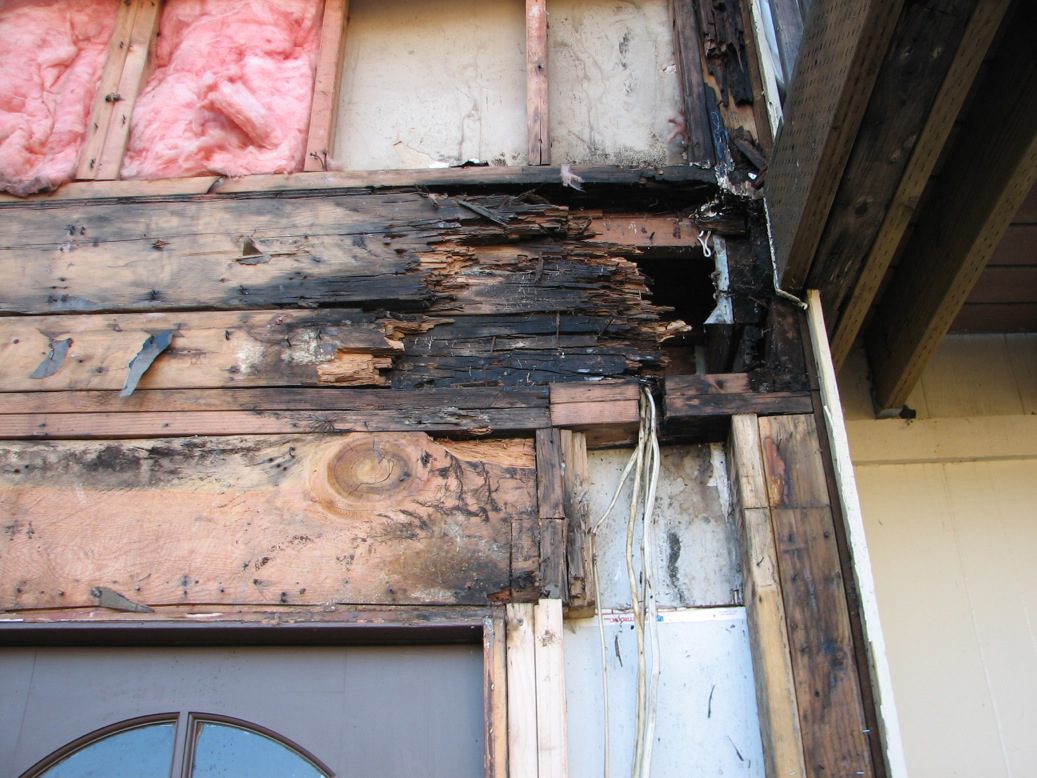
[
  {"x": 822, "y": 115},
  {"x": 537, "y": 112},
  {"x": 523, "y": 756},
  {"x": 688, "y": 53},
  {"x": 495, "y": 694},
  {"x": 131, "y": 82},
  {"x": 320, "y": 139},
  {"x": 768, "y": 636},
  {"x": 832, "y": 719},
  {"x": 987, "y": 174},
  {"x": 550, "y": 494},
  {"x": 575, "y": 482},
  {"x": 107, "y": 97},
  {"x": 552, "y": 750}
]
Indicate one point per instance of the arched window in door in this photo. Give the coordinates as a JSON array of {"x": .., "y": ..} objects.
[{"x": 189, "y": 745}]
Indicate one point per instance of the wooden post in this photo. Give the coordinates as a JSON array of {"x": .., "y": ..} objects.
[
  {"x": 324, "y": 109},
  {"x": 134, "y": 75},
  {"x": 768, "y": 637},
  {"x": 522, "y": 703},
  {"x": 552, "y": 759},
  {"x": 495, "y": 695},
  {"x": 536, "y": 83}
]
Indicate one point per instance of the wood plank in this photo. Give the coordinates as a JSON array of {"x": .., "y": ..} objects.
[
  {"x": 537, "y": 114},
  {"x": 988, "y": 173},
  {"x": 584, "y": 416},
  {"x": 993, "y": 318},
  {"x": 495, "y": 695},
  {"x": 523, "y": 755},
  {"x": 693, "y": 180},
  {"x": 209, "y": 349},
  {"x": 131, "y": 82},
  {"x": 328, "y": 76},
  {"x": 687, "y": 42},
  {"x": 525, "y": 560},
  {"x": 924, "y": 46},
  {"x": 415, "y": 405},
  {"x": 832, "y": 721},
  {"x": 107, "y": 88},
  {"x": 553, "y": 543},
  {"x": 550, "y": 494},
  {"x": 875, "y": 667},
  {"x": 576, "y": 480},
  {"x": 725, "y": 394},
  {"x": 597, "y": 391},
  {"x": 846, "y": 41},
  {"x": 983, "y": 24},
  {"x": 392, "y": 518},
  {"x": 776, "y": 698},
  {"x": 552, "y": 745},
  {"x": 99, "y": 426}
]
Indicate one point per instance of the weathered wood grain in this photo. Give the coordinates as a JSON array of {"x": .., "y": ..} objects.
[
  {"x": 495, "y": 694},
  {"x": 577, "y": 556},
  {"x": 209, "y": 349},
  {"x": 832, "y": 720},
  {"x": 537, "y": 124},
  {"x": 688, "y": 51},
  {"x": 776, "y": 697},
  {"x": 522, "y": 691},
  {"x": 551, "y": 722},
  {"x": 299, "y": 520}
]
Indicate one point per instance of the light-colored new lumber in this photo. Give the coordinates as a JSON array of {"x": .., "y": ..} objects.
[{"x": 324, "y": 109}]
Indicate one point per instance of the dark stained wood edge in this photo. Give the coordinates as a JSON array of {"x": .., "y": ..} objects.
[
  {"x": 550, "y": 493},
  {"x": 327, "y": 182},
  {"x": 495, "y": 694},
  {"x": 539, "y": 142},
  {"x": 687, "y": 44}
]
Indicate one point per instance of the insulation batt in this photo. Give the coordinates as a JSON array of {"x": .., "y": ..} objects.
[
  {"x": 231, "y": 89},
  {"x": 51, "y": 56}
]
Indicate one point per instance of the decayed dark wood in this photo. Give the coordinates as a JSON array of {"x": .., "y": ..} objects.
[
  {"x": 539, "y": 142},
  {"x": 832, "y": 719},
  {"x": 553, "y": 542},
  {"x": 327, "y": 78},
  {"x": 982, "y": 26},
  {"x": 822, "y": 115},
  {"x": 693, "y": 180},
  {"x": 575, "y": 482},
  {"x": 988, "y": 171},
  {"x": 300, "y": 520},
  {"x": 688, "y": 47},
  {"x": 550, "y": 494}
]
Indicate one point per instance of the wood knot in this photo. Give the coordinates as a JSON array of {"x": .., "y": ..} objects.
[{"x": 371, "y": 472}]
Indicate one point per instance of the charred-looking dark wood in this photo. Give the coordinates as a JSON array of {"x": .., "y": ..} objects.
[{"x": 267, "y": 520}]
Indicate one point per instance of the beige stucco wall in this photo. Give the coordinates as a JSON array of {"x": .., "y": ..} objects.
[{"x": 950, "y": 511}]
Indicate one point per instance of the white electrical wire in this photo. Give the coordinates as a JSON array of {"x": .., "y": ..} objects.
[{"x": 644, "y": 463}]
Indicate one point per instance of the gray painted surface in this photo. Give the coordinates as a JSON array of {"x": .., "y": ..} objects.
[{"x": 395, "y": 711}]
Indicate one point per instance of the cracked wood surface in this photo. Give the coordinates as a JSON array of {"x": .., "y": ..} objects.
[{"x": 393, "y": 518}]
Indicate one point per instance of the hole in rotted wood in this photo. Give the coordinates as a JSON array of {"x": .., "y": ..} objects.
[{"x": 685, "y": 284}]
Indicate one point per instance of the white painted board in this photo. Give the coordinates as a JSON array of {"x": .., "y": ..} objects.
[{"x": 707, "y": 722}]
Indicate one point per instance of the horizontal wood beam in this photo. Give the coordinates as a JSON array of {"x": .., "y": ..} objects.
[
  {"x": 840, "y": 54},
  {"x": 986, "y": 176},
  {"x": 847, "y": 306},
  {"x": 690, "y": 177}
]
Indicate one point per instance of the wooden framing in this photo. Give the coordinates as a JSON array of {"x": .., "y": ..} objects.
[
  {"x": 821, "y": 118},
  {"x": 988, "y": 171},
  {"x": 537, "y": 108},
  {"x": 323, "y": 113}
]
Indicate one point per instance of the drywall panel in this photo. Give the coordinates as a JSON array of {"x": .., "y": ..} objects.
[
  {"x": 954, "y": 551},
  {"x": 695, "y": 548},
  {"x": 612, "y": 83},
  {"x": 432, "y": 83},
  {"x": 706, "y": 718}
]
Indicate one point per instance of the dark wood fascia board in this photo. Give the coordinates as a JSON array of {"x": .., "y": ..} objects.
[
  {"x": 988, "y": 171},
  {"x": 841, "y": 52}
]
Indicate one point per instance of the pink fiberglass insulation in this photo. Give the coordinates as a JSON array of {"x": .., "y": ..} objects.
[
  {"x": 231, "y": 89},
  {"x": 51, "y": 56}
]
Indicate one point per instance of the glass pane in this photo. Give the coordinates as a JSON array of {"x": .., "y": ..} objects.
[
  {"x": 141, "y": 752},
  {"x": 226, "y": 751}
]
